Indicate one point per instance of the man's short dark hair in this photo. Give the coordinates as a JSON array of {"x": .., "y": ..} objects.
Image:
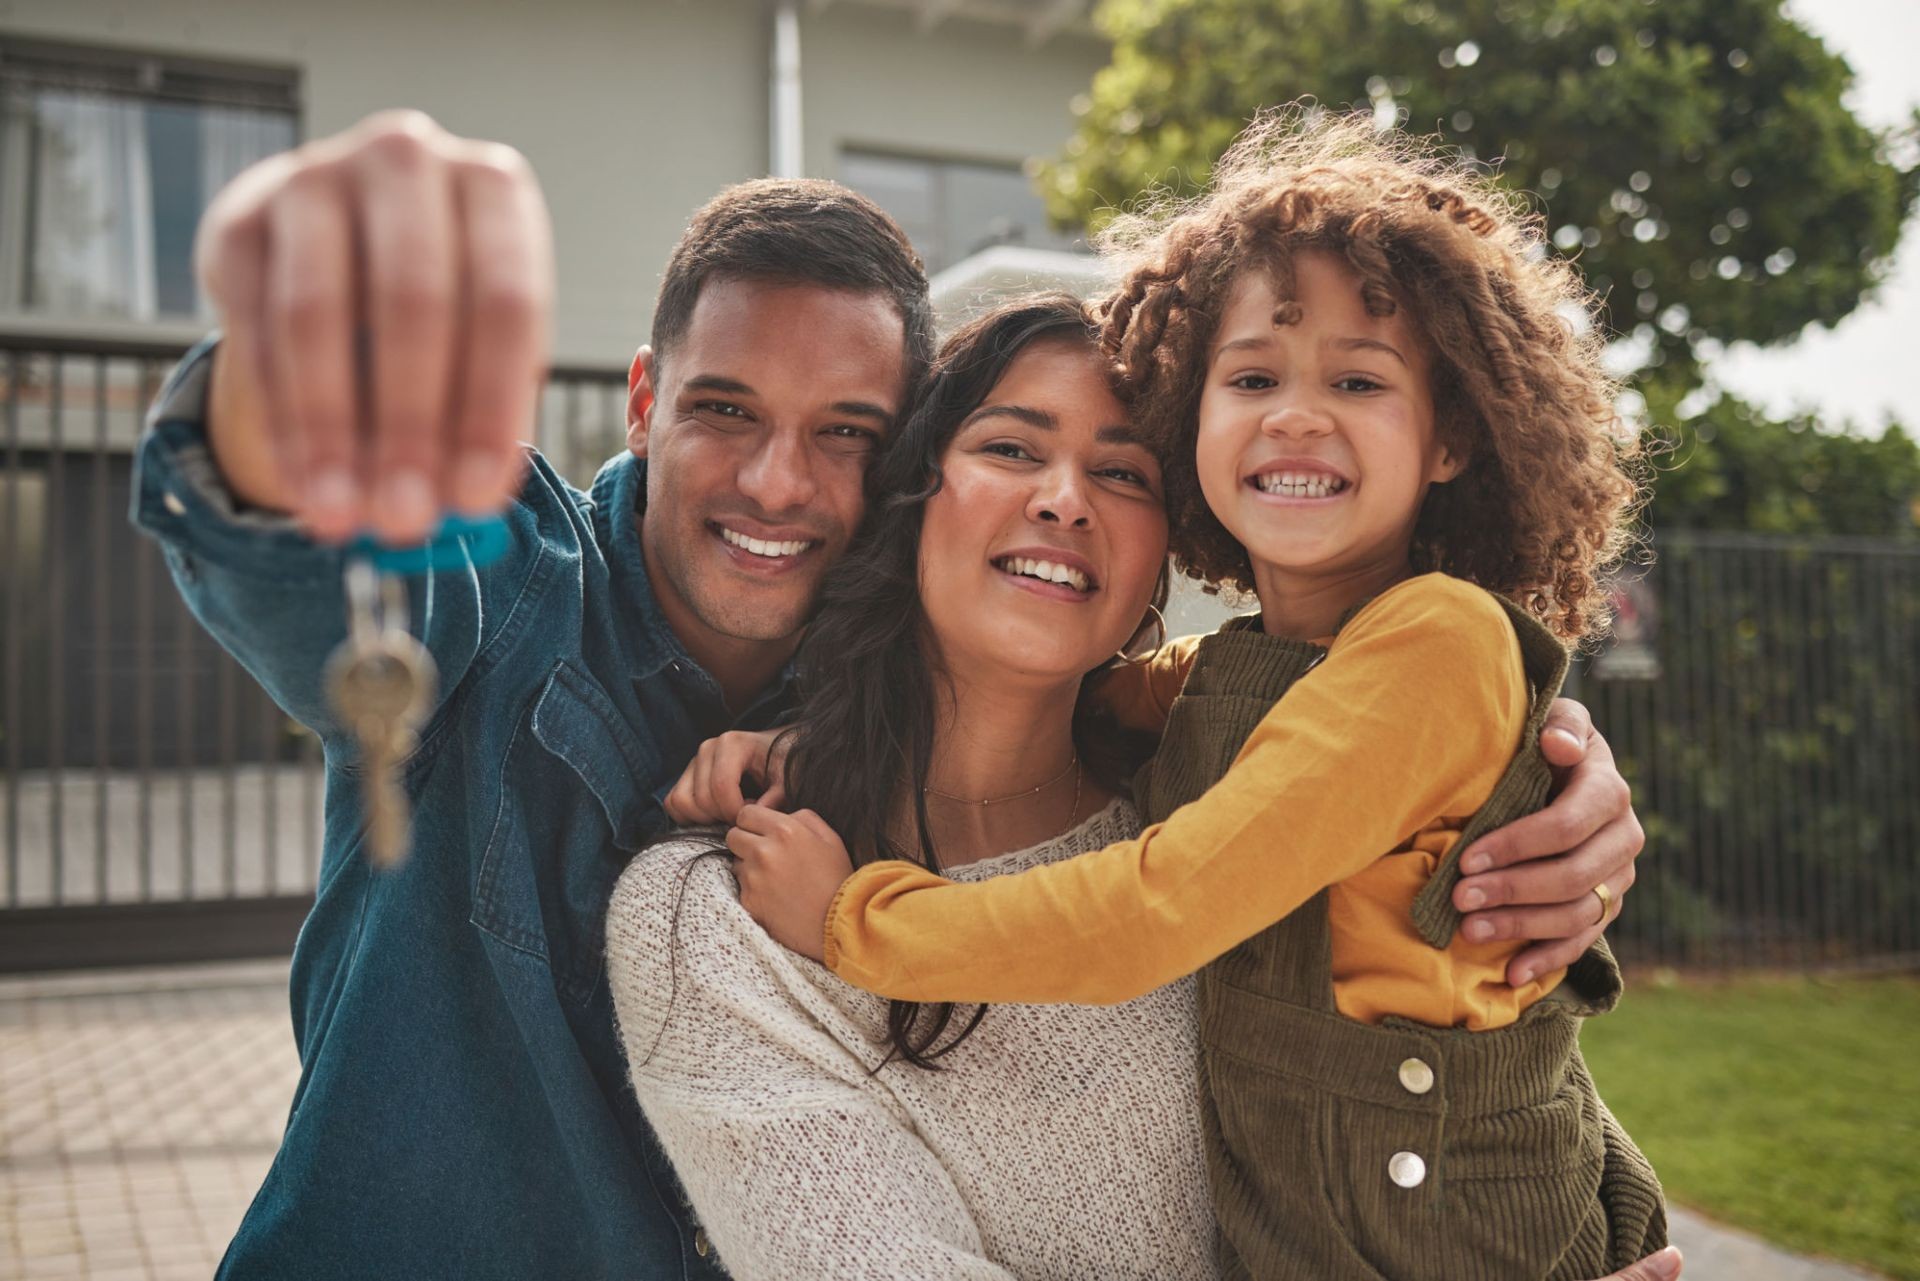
[{"x": 796, "y": 231}]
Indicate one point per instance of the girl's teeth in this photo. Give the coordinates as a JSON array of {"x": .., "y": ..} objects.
[
  {"x": 761, "y": 546},
  {"x": 1289, "y": 484}
]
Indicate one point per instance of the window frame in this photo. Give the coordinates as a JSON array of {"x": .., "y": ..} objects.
[
  {"x": 142, "y": 76},
  {"x": 942, "y": 162}
]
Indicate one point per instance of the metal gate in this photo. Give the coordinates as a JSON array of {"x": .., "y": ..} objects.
[{"x": 155, "y": 805}]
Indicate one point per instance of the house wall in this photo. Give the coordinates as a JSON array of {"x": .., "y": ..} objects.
[{"x": 632, "y": 111}]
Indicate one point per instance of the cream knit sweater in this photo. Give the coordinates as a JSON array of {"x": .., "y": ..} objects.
[{"x": 1056, "y": 1141}]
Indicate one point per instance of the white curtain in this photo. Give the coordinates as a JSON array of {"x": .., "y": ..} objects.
[
  {"x": 231, "y": 138},
  {"x": 77, "y": 220},
  {"x": 93, "y": 208}
]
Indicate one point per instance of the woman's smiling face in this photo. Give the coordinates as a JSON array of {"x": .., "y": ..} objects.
[
  {"x": 1316, "y": 441},
  {"x": 1042, "y": 548}
]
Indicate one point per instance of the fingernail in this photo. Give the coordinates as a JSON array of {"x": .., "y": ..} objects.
[
  {"x": 330, "y": 496},
  {"x": 1524, "y": 976},
  {"x": 1667, "y": 1262},
  {"x": 475, "y": 478},
  {"x": 406, "y": 502},
  {"x": 1479, "y": 931},
  {"x": 1476, "y": 862},
  {"x": 1473, "y": 898}
]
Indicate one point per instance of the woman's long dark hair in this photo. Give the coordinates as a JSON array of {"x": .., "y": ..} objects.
[{"x": 864, "y": 738}]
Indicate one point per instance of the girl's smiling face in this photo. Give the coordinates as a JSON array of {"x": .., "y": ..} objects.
[{"x": 1316, "y": 441}]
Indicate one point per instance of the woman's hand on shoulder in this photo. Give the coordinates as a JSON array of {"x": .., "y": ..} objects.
[
  {"x": 789, "y": 867},
  {"x": 712, "y": 789}
]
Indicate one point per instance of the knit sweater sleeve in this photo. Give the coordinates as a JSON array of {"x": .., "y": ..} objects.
[
  {"x": 797, "y": 1163},
  {"x": 1413, "y": 715}
]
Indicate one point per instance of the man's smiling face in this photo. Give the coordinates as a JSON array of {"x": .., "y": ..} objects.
[{"x": 758, "y": 434}]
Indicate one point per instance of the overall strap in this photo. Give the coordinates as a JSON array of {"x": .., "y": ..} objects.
[
  {"x": 1593, "y": 982},
  {"x": 1521, "y": 790},
  {"x": 1238, "y": 674}
]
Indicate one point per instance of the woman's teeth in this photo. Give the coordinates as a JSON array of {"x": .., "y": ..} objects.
[
  {"x": 761, "y": 547},
  {"x": 1293, "y": 484},
  {"x": 1044, "y": 570}
]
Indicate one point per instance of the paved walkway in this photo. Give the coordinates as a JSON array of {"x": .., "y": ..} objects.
[
  {"x": 139, "y": 1110},
  {"x": 138, "y": 1113}
]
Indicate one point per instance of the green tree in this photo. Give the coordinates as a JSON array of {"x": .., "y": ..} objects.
[
  {"x": 1731, "y": 467},
  {"x": 1695, "y": 154}
]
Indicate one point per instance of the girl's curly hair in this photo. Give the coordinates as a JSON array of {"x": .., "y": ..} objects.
[{"x": 1541, "y": 513}]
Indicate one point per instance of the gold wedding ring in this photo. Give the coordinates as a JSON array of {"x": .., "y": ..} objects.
[{"x": 1605, "y": 896}]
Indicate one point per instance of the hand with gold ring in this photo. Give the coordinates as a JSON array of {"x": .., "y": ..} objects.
[{"x": 1605, "y": 896}]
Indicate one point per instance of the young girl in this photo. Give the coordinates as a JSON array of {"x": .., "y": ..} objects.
[{"x": 1385, "y": 426}]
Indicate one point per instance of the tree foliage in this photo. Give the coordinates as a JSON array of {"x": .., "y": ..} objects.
[
  {"x": 1731, "y": 467},
  {"x": 1696, "y": 155}
]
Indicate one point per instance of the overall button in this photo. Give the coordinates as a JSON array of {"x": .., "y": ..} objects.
[
  {"x": 171, "y": 501},
  {"x": 1416, "y": 1076},
  {"x": 704, "y": 1247},
  {"x": 1406, "y": 1169}
]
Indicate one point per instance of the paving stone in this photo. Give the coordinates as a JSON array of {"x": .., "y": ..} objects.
[{"x": 138, "y": 1112}]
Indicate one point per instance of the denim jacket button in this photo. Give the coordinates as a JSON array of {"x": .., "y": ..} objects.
[
  {"x": 171, "y": 501},
  {"x": 701, "y": 1246}
]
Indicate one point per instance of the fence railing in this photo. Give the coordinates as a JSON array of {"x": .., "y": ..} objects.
[
  {"x": 155, "y": 803},
  {"x": 1769, "y": 719},
  {"x": 1764, "y": 698}
]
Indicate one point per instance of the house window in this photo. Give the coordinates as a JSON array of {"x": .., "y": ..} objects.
[
  {"x": 107, "y": 160},
  {"x": 952, "y": 209}
]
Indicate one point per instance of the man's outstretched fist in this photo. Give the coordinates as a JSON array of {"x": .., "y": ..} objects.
[{"x": 385, "y": 296}]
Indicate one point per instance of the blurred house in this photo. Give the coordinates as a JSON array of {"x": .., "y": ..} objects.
[{"x": 118, "y": 122}]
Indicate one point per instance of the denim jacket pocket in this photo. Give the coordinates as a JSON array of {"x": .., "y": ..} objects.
[{"x": 574, "y": 806}]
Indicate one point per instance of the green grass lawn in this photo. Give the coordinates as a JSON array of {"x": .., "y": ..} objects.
[{"x": 1789, "y": 1107}]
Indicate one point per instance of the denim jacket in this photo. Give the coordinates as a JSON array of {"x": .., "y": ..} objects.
[{"x": 462, "y": 1109}]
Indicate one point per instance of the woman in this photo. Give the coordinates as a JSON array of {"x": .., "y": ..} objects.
[
  {"x": 821, "y": 1131},
  {"x": 818, "y": 1131}
]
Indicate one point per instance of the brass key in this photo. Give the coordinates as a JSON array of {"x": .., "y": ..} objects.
[{"x": 380, "y": 682}]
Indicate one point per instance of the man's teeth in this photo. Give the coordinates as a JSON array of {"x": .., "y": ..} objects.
[
  {"x": 1046, "y": 571},
  {"x": 1295, "y": 484},
  {"x": 761, "y": 547}
]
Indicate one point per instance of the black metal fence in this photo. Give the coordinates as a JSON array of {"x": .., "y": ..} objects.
[
  {"x": 1768, "y": 716},
  {"x": 1764, "y": 697},
  {"x": 155, "y": 804}
]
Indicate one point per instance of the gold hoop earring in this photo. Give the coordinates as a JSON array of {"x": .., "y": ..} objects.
[{"x": 1160, "y": 638}]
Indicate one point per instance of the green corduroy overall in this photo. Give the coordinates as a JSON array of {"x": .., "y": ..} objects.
[{"x": 1338, "y": 1149}]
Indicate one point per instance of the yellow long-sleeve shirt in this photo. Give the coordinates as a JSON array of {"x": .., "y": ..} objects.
[{"x": 1360, "y": 779}]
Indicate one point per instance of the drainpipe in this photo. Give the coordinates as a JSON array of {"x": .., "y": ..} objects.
[{"x": 783, "y": 133}]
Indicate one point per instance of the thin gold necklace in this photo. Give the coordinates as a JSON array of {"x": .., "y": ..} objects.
[{"x": 1072, "y": 766}]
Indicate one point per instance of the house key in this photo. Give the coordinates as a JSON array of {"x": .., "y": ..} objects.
[{"x": 380, "y": 683}]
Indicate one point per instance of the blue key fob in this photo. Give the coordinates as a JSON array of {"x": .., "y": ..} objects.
[{"x": 460, "y": 540}]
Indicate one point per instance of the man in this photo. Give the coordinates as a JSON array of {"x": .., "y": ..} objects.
[{"x": 384, "y": 296}]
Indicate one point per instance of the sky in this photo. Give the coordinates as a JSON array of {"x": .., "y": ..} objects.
[{"x": 1866, "y": 367}]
